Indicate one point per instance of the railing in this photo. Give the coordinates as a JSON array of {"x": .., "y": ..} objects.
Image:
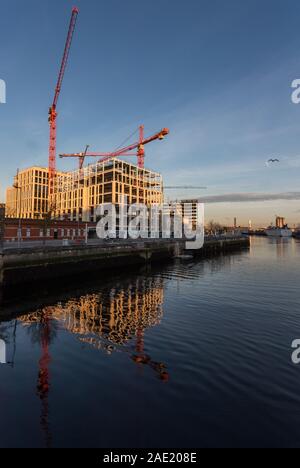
[
  {"x": 77, "y": 243},
  {"x": 224, "y": 237},
  {"x": 28, "y": 244}
]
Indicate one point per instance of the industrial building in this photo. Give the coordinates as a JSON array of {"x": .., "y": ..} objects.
[{"x": 280, "y": 222}]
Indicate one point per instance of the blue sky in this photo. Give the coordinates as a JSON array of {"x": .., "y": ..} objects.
[{"x": 218, "y": 74}]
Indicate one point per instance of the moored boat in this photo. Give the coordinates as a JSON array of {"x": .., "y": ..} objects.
[
  {"x": 279, "y": 232},
  {"x": 281, "y": 229}
]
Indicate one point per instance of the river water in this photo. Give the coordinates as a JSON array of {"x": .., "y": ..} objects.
[{"x": 190, "y": 354}]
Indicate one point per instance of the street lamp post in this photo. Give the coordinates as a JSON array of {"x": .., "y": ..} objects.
[{"x": 18, "y": 210}]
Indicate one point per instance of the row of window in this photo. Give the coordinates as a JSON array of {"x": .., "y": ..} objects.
[{"x": 70, "y": 233}]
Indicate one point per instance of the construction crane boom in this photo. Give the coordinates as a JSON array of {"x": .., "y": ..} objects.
[
  {"x": 52, "y": 110},
  {"x": 139, "y": 146}
]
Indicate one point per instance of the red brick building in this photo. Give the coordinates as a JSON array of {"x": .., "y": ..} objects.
[{"x": 39, "y": 230}]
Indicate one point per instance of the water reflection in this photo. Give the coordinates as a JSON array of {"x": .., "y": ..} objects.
[
  {"x": 111, "y": 320},
  {"x": 115, "y": 318},
  {"x": 43, "y": 331},
  {"x": 282, "y": 246}
]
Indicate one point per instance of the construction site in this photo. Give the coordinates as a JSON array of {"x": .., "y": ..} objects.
[
  {"x": 46, "y": 193},
  {"x": 47, "y": 204},
  {"x": 77, "y": 194}
]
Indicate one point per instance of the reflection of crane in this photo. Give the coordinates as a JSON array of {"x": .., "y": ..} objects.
[
  {"x": 52, "y": 110},
  {"x": 138, "y": 357},
  {"x": 141, "y": 358},
  {"x": 43, "y": 386},
  {"x": 127, "y": 151}
]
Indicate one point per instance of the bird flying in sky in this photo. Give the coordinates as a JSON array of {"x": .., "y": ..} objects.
[{"x": 271, "y": 161}]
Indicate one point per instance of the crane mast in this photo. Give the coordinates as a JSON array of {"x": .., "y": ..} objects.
[{"x": 52, "y": 110}]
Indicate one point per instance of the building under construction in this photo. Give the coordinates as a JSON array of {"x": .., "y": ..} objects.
[
  {"x": 28, "y": 196},
  {"x": 39, "y": 193},
  {"x": 77, "y": 194}
]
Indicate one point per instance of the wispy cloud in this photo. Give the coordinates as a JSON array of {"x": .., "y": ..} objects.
[{"x": 250, "y": 197}]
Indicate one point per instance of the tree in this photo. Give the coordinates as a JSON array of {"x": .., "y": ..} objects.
[
  {"x": 46, "y": 220},
  {"x": 214, "y": 227}
]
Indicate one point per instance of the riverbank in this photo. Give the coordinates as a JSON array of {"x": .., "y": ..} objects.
[{"x": 27, "y": 265}]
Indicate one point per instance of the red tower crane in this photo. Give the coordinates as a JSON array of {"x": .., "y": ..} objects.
[
  {"x": 127, "y": 151},
  {"x": 52, "y": 110}
]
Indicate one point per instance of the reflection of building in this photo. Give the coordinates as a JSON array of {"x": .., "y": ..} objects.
[
  {"x": 116, "y": 316},
  {"x": 106, "y": 321},
  {"x": 77, "y": 194}
]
